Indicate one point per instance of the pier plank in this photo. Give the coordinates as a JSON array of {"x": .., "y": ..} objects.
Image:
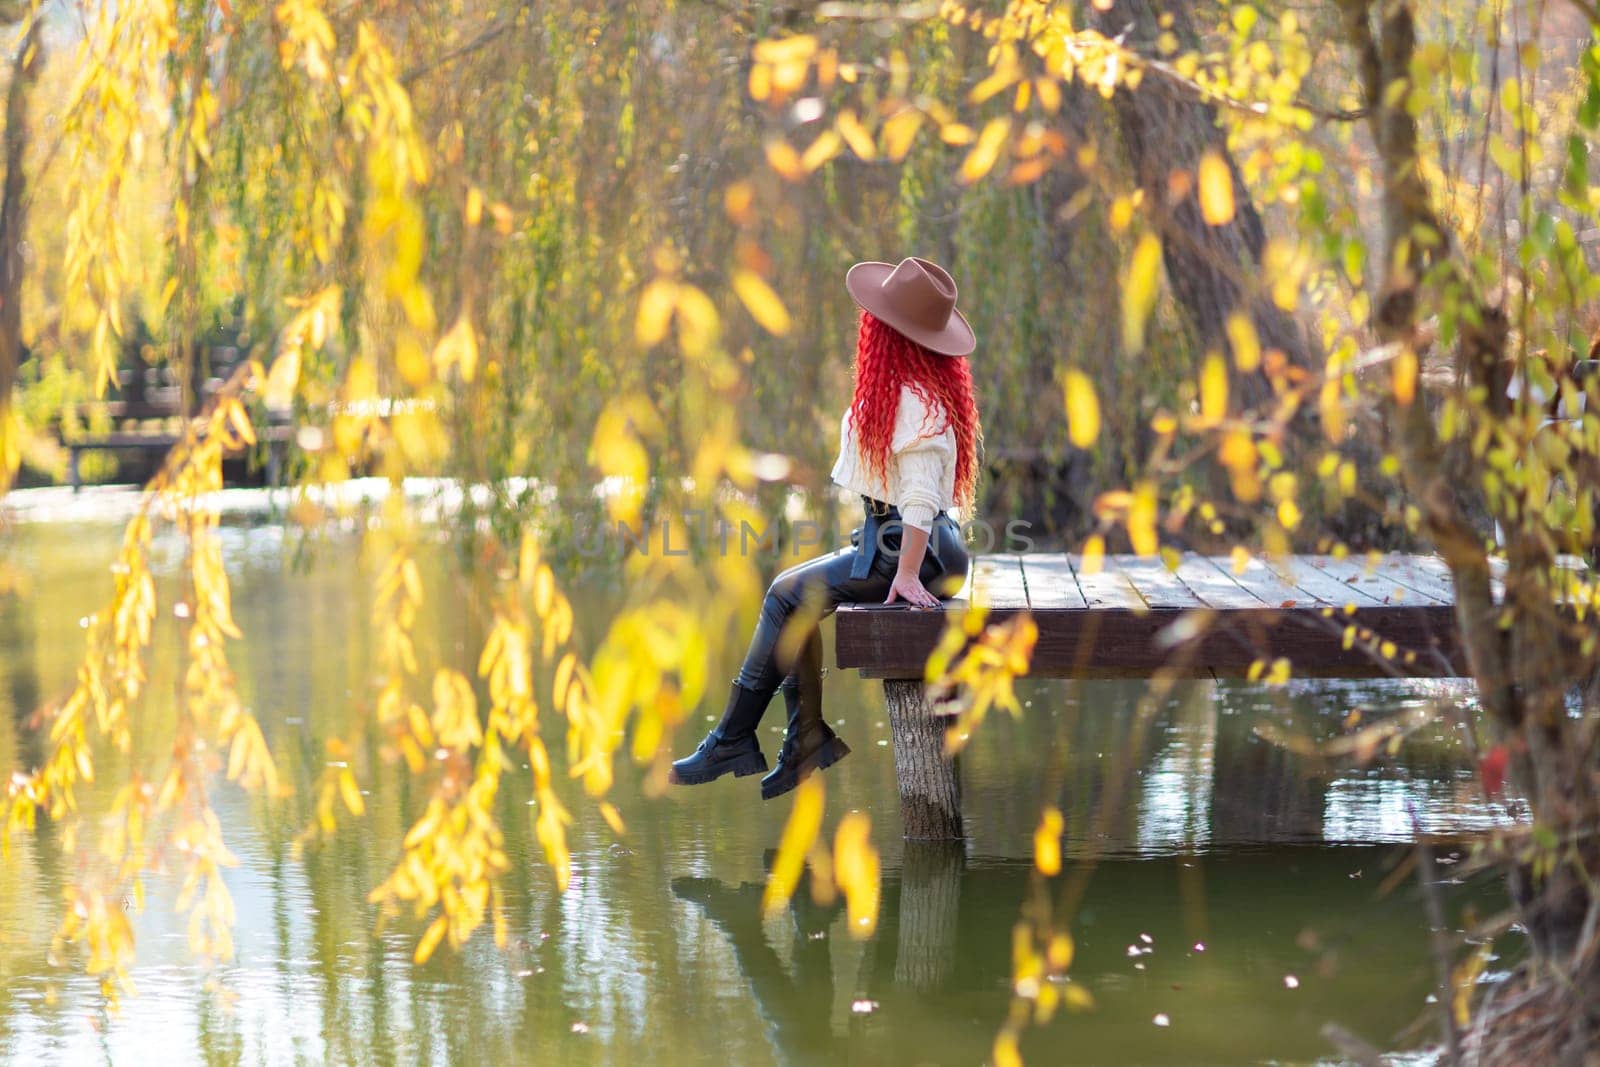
[
  {"x": 1159, "y": 587},
  {"x": 1052, "y": 583}
]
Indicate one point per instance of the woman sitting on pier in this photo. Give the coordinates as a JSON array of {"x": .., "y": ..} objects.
[{"x": 908, "y": 445}]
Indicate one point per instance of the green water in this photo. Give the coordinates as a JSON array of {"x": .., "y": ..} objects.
[{"x": 1252, "y": 880}]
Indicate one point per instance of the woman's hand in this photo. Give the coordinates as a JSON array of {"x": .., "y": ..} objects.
[{"x": 909, "y": 587}]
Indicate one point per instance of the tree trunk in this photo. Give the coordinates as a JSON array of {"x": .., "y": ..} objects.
[
  {"x": 930, "y": 788},
  {"x": 14, "y": 214},
  {"x": 1213, "y": 270}
]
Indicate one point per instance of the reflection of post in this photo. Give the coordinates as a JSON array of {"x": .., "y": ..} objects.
[
  {"x": 930, "y": 904},
  {"x": 930, "y": 788}
]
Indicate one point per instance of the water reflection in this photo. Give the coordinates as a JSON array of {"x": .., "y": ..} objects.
[
  {"x": 1237, "y": 984},
  {"x": 658, "y": 952}
]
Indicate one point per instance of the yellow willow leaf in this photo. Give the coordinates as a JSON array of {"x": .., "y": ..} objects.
[
  {"x": 1142, "y": 519},
  {"x": 360, "y": 381},
  {"x": 458, "y": 348},
  {"x": 783, "y": 159},
  {"x": 1060, "y": 952},
  {"x": 698, "y": 323},
  {"x": 799, "y": 47},
  {"x": 350, "y": 793},
  {"x": 855, "y": 135},
  {"x": 237, "y": 754},
  {"x": 1094, "y": 555},
  {"x": 527, "y": 559},
  {"x": 1405, "y": 377},
  {"x": 613, "y": 818},
  {"x": 1139, "y": 291},
  {"x": 430, "y": 941},
  {"x": 788, "y": 77},
  {"x": 956, "y": 133},
  {"x": 1005, "y": 1053},
  {"x": 760, "y": 87},
  {"x": 544, "y": 582},
  {"x": 763, "y": 304},
  {"x": 1083, "y": 409},
  {"x": 563, "y": 679},
  {"x": 1244, "y": 340},
  {"x": 282, "y": 378},
  {"x": 827, "y": 68},
  {"x": 1216, "y": 189},
  {"x": 474, "y": 212},
  {"x": 239, "y": 420},
  {"x": 1330, "y": 407},
  {"x": 1005, "y": 74},
  {"x": 1464, "y": 980},
  {"x": 1213, "y": 389},
  {"x": 981, "y": 159},
  {"x": 1049, "y": 93},
  {"x": 856, "y": 871},
  {"x": 1238, "y": 454},
  {"x": 799, "y": 833},
  {"x": 824, "y": 148},
  {"x": 549, "y": 828},
  {"x": 899, "y": 131},
  {"x": 1047, "y": 843},
  {"x": 1029, "y": 171},
  {"x": 655, "y": 312}
]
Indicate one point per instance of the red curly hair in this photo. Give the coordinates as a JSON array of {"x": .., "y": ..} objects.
[{"x": 886, "y": 360}]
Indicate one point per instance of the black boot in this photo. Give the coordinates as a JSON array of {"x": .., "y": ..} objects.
[
  {"x": 808, "y": 745},
  {"x": 731, "y": 745}
]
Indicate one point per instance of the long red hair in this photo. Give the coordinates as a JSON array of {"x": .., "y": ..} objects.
[{"x": 886, "y": 360}]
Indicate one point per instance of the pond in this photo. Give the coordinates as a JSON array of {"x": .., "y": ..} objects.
[{"x": 1230, "y": 899}]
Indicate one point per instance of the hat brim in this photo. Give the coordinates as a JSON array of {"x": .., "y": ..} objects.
[{"x": 864, "y": 282}]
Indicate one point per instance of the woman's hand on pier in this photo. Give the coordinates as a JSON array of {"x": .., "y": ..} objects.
[{"x": 909, "y": 587}]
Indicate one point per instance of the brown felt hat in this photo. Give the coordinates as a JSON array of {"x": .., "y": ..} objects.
[{"x": 916, "y": 297}]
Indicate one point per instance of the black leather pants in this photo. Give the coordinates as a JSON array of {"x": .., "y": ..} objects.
[{"x": 809, "y": 591}]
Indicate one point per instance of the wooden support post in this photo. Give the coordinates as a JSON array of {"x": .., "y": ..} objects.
[
  {"x": 930, "y": 787},
  {"x": 275, "y": 449}
]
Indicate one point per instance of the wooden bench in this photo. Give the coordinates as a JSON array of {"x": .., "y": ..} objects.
[
  {"x": 1135, "y": 617},
  {"x": 158, "y": 443}
]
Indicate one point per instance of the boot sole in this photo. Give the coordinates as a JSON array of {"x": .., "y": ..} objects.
[
  {"x": 832, "y": 751},
  {"x": 740, "y": 768}
]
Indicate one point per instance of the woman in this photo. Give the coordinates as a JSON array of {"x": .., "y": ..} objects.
[{"x": 908, "y": 444}]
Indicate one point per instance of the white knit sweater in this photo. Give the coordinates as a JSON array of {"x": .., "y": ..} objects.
[{"x": 921, "y": 474}]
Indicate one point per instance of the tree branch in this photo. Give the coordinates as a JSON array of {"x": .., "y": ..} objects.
[{"x": 488, "y": 36}]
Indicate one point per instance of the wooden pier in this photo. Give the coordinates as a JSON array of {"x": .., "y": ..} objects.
[{"x": 1134, "y": 616}]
